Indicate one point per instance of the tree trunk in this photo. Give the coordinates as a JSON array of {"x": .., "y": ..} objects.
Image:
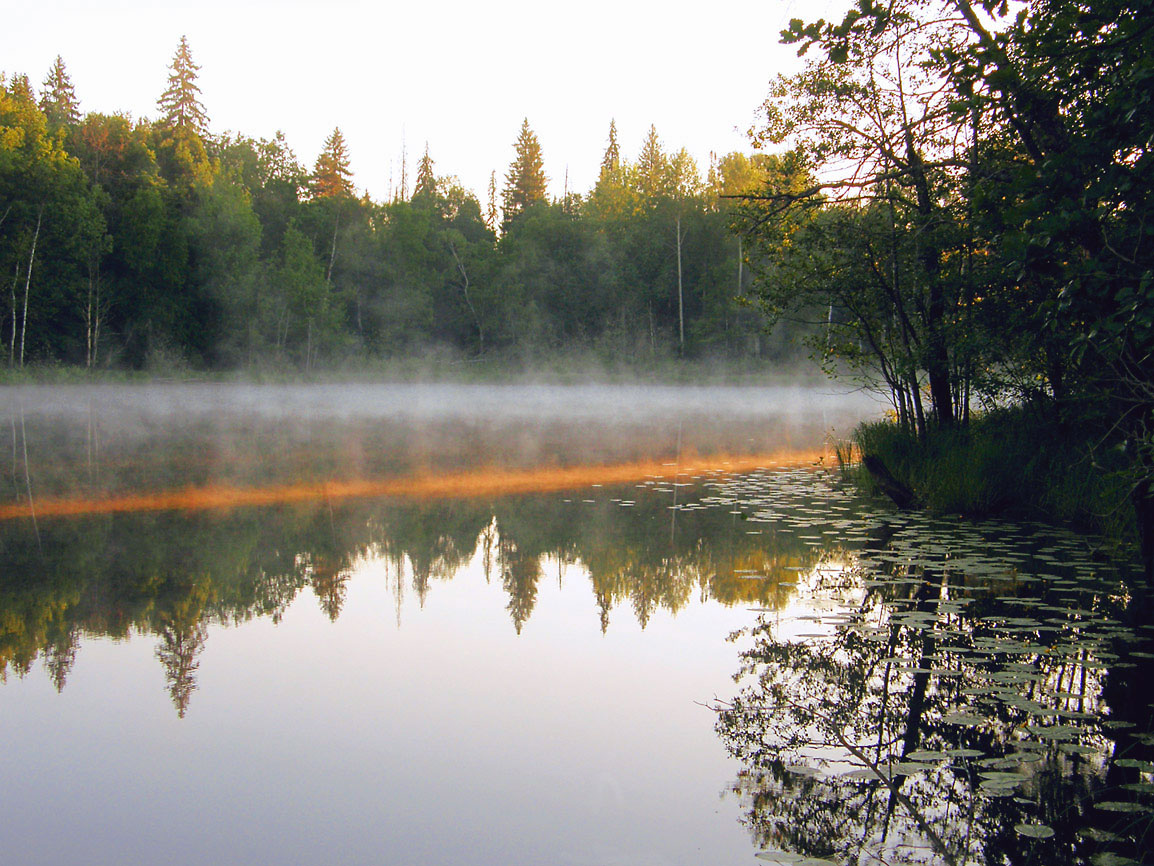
[
  {"x": 91, "y": 316},
  {"x": 740, "y": 267},
  {"x": 309, "y": 346},
  {"x": 680, "y": 295},
  {"x": 28, "y": 283},
  {"x": 333, "y": 249},
  {"x": 12, "y": 345},
  {"x": 468, "y": 301}
]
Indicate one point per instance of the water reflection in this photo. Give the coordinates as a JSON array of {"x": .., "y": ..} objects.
[
  {"x": 978, "y": 697},
  {"x": 167, "y": 573},
  {"x": 161, "y": 511}
]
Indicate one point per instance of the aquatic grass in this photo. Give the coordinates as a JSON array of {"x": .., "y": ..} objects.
[
  {"x": 1007, "y": 462},
  {"x": 844, "y": 450}
]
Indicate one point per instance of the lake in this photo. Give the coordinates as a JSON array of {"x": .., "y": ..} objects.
[{"x": 527, "y": 624}]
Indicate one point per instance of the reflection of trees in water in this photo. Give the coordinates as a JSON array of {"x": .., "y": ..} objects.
[
  {"x": 180, "y": 646},
  {"x": 60, "y": 653},
  {"x": 436, "y": 539},
  {"x": 183, "y": 630},
  {"x": 944, "y": 725},
  {"x": 329, "y": 582},
  {"x": 520, "y": 572},
  {"x": 113, "y": 574}
]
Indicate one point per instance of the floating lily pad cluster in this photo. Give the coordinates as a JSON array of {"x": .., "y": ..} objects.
[{"x": 979, "y": 693}]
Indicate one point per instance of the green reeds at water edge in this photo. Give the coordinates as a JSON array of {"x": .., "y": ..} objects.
[{"x": 1008, "y": 463}]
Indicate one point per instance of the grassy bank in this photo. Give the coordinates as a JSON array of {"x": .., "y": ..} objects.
[{"x": 1012, "y": 463}]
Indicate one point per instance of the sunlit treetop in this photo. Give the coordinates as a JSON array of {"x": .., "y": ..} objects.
[
  {"x": 611, "y": 161},
  {"x": 525, "y": 181},
  {"x": 180, "y": 104},
  {"x": 491, "y": 207},
  {"x": 652, "y": 166},
  {"x": 332, "y": 177},
  {"x": 58, "y": 99},
  {"x": 21, "y": 88}
]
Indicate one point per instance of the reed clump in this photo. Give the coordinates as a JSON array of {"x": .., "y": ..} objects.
[{"x": 1008, "y": 462}]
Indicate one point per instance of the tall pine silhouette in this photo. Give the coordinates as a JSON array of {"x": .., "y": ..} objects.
[
  {"x": 332, "y": 177},
  {"x": 58, "y": 98},
  {"x": 525, "y": 180},
  {"x": 180, "y": 104}
]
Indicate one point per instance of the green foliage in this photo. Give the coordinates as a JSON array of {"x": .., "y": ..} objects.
[
  {"x": 425, "y": 187},
  {"x": 988, "y": 165},
  {"x": 164, "y": 246}
]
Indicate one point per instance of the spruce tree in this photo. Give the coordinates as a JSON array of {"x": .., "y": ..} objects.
[
  {"x": 180, "y": 105},
  {"x": 652, "y": 167},
  {"x": 525, "y": 181},
  {"x": 332, "y": 176},
  {"x": 58, "y": 99},
  {"x": 21, "y": 87},
  {"x": 426, "y": 184},
  {"x": 611, "y": 161},
  {"x": 491, "y": 211}
]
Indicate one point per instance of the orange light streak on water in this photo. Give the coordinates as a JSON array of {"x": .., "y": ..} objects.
[{"x": 472, "y": 484}]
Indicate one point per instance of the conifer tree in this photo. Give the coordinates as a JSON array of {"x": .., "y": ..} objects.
[
  {"x": 426, "y": 183},
  {"x": 611, "y": 161},
  {"x": 58, "y": 99},
  {"x": 491, "y": 211},
  {"x": 525, "y": 181},
  {"x": 332, "y": 176},
  {"x": 21, "y": 87},
  {"x": 180, "y": 104},
  {"x": 652, "y": 166}
]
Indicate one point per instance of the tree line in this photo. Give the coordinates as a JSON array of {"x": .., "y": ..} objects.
[{"x": 132, "y": 243}]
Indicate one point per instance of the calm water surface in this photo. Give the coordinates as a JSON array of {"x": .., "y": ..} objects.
[{"x": 620, "y": 625}]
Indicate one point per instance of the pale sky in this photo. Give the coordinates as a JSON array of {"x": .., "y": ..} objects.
[{"x": 459, "y": 75}]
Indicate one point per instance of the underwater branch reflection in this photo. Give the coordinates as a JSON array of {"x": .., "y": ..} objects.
[{"x": 966, "y": 706}]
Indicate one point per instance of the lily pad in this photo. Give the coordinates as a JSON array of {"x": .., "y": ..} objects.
[
  {"x": 779, "y": 856},
  {"x": 1144, "y": 766},
  {"x": 1034, "y": 831},
  {"x": 966, "y": 720},
  {"x": 1119, "y": 806}
]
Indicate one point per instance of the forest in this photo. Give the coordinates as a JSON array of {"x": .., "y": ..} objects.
[{"x": 152, "y": 243}]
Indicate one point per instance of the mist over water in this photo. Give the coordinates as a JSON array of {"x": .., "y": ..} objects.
[
  {"x": 415, "y": 401},
  {"x": 427, "y": 424},
  {"x": 441, "y": 674}
]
